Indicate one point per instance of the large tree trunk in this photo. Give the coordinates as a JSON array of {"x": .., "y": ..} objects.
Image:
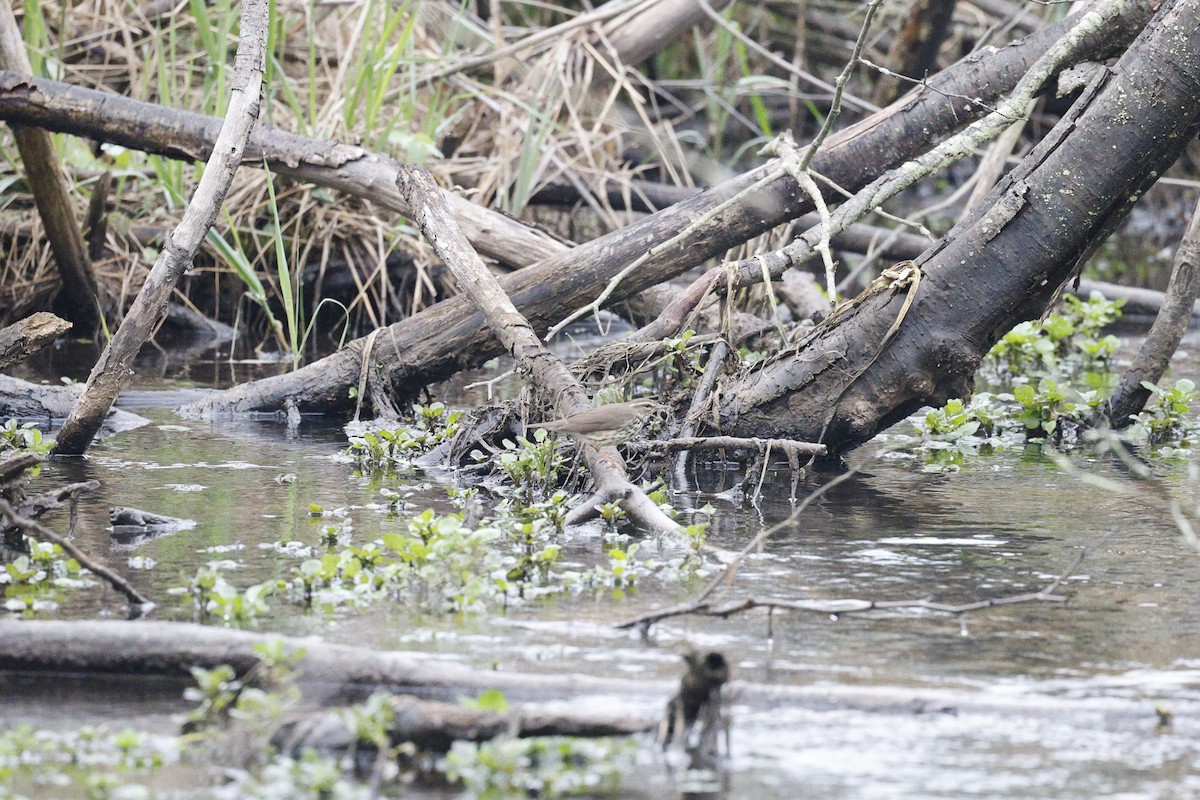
[
  {"x": 450, "y": 336},
  {"x": 847, "y": 381}
]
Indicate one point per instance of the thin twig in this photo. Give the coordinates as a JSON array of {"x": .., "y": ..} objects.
[
  {"x": 839, "y": 87},
  {"x": 704, "y": 388},
  {"x": 728, "y": 443},
  {"x": 856, "y": 606},
  {"x": 731, "y": 569}
]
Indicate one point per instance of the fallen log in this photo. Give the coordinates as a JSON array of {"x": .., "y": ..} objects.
[
  {"x": 913, "y": 341},
  {"x": 189, "y": 136},
  {"x": 37, "y": 402},
  {"x": 451, "y": 335},
  {"x": 335, "y": 673},
  {"x": 21, "y": 339}
]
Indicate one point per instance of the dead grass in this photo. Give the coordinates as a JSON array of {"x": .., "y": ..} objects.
[{"x": 406, "y": 80}]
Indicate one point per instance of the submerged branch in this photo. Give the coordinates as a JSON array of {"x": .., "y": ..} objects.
[
  {"x": 852, "y": 605},
  {"x": 38, "y": 531}
]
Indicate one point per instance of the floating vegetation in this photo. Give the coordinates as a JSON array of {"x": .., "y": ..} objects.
[
  {"x": 439, "y": 564},
  {"x": 387, "y": 449},
  {"x": 1055, "y": 376}
]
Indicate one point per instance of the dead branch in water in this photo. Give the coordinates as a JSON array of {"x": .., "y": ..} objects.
[
  {"x": 545, "y": 373},
  {"x": 37, "y": 531},
  {"x": 112, "y": 371}
]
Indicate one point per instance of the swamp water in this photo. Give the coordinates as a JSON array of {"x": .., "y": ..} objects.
[{"x": 1033, "y": 700}]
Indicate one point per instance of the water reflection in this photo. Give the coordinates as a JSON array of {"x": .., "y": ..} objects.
[{"x": 1126, "y": 640}]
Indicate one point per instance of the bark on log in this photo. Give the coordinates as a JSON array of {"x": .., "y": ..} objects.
[
  {"x": 647, "y": 28},
  {"x": 450, "y": 336},
  {"x": 434, "y": 726},
  {"x": 191, "y": 137},
  {"x": 113, "y": 369},
  {"x": 33, "y": 507},
  {"x": 14, "y": 465},
  {"x": 19, "y": 340},
  {"x": 1001, "y": 266}
]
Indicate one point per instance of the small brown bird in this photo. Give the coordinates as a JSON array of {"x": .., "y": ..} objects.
[{"x": 605, "y": 426}]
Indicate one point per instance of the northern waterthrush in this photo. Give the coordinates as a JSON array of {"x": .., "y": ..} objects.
[{"x": 605, "y": 426}]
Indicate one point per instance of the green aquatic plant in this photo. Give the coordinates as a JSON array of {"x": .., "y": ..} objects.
[
  {"x": 957, "y": 419},
  {"x": 1046, "y": 408},
  {"x": 386, "y": 449},
  {"x": 23, "y": 437},
  {"x": 1066, "y": 346},
  {"x": 1167, "y": 418},
  {"x": 214, "y": 599},
  {"x": 94, "y": 759},
  {"x": 33, "y": 582},
  {"x": 696, "y": 535},
  {"x": 549, "y": 767},
  {"x": 612, "y": 513},
  {"x": 257, "y": 699},
  {"x": 531, "y": 465}
]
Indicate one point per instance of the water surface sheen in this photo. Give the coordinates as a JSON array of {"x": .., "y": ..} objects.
[{"x": 1031, "y": 700}]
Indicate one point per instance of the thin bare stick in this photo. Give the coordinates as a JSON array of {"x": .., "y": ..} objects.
[
  {"x": 794, "y": 162},
  {"x": 704, "y": 388},
  {"x": 543, "y": 371},
  {"x": 731, "y": 569},
  {"x": 728, "y": 443},
  {"x": 839, "y": 87},
  {"x": 784, "y": 64},
  {"x": 114, "y": 368},
  {"x": 855, "y": 606}
]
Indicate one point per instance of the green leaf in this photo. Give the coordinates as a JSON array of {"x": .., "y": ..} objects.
[{"x": 491, "y": 700}]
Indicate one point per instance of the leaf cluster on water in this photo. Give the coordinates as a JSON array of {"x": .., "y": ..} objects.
[{"x": 1049, "y": 379}]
